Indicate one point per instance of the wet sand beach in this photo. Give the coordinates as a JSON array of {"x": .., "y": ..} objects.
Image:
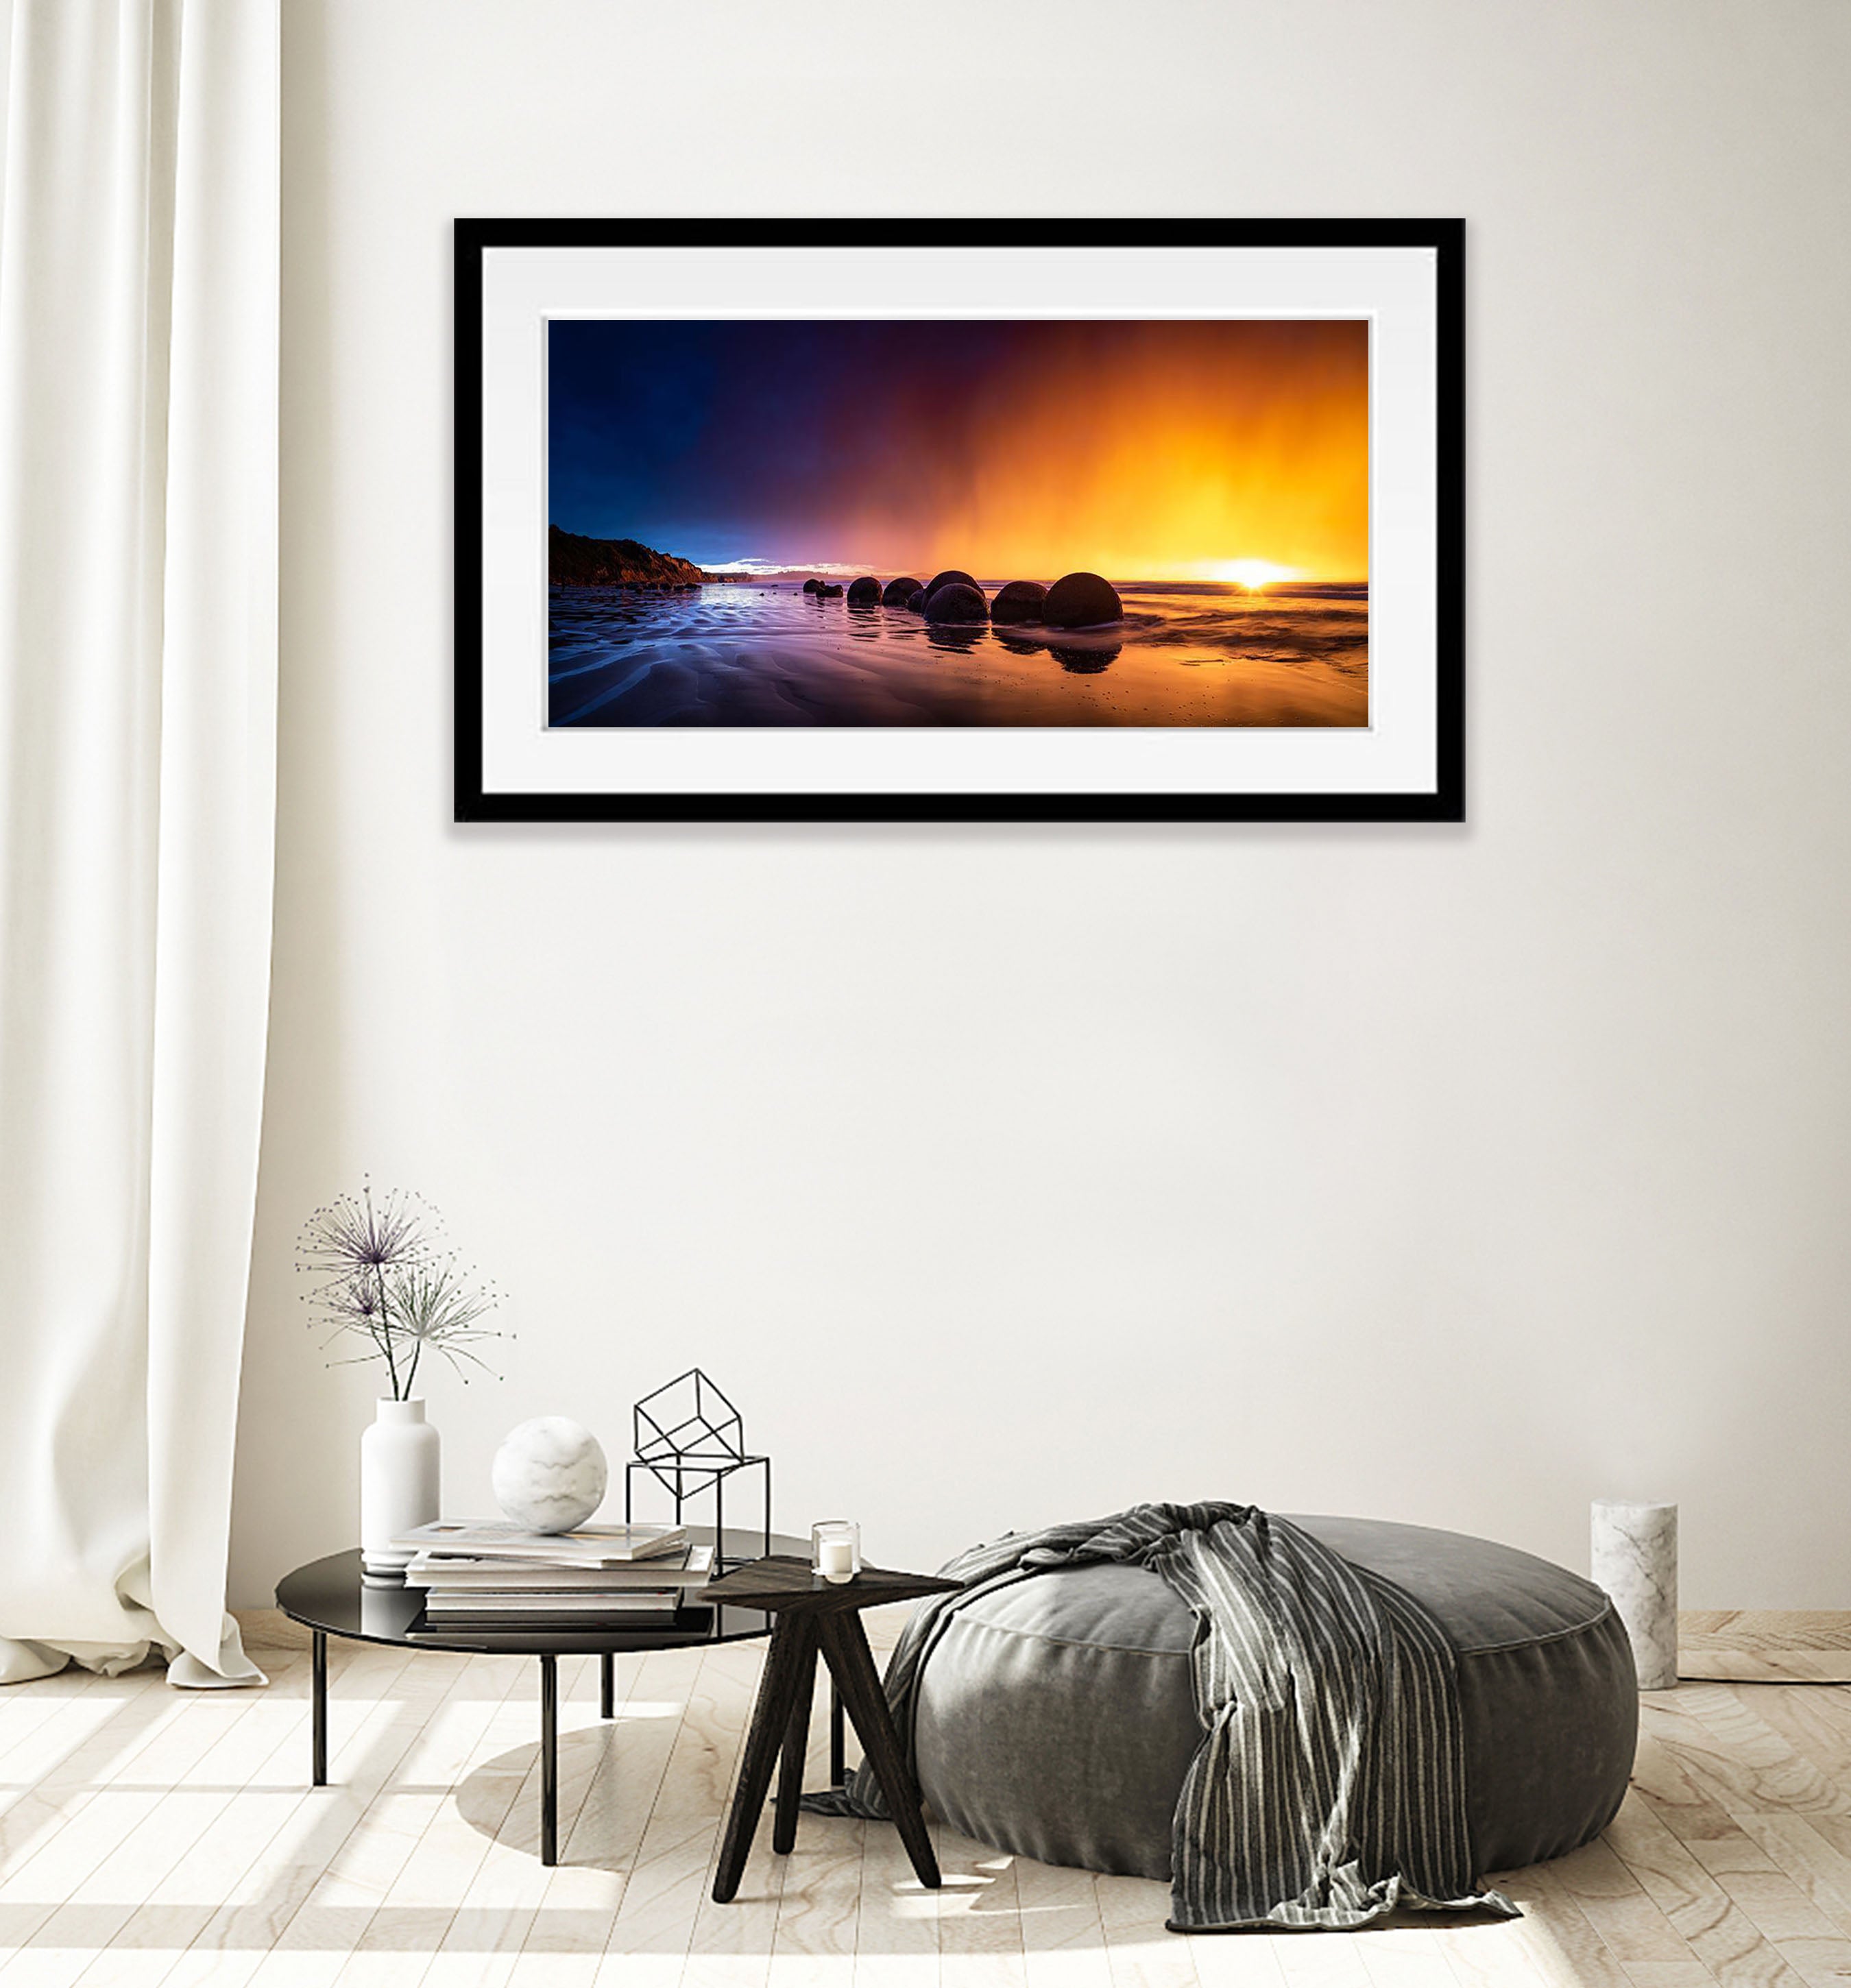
[{"x": 752, "y": 655}]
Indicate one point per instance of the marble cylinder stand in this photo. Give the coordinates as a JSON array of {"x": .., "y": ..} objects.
[{"x": 1634, "y": 1558}]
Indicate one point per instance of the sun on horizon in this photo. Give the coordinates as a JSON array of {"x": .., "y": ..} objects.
[{"x": 1252, "y": 573}]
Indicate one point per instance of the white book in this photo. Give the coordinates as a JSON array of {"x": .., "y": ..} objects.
[
  {"x": 584, "y": 1546},
  {"x": 637, "y": 1601},
  {"x": 441, "y": 1573}
]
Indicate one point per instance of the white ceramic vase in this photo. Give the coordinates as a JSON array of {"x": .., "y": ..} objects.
[{"x": 400, "y": 1470}]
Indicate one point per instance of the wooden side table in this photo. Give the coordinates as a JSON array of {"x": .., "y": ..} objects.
[{"x": 812, "y": 1617}]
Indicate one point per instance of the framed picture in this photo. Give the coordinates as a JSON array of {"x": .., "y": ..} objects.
[{"x": 957, "y": 520}]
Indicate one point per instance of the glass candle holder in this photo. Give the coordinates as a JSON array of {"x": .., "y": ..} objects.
[{"x": 835, "y": 1549}]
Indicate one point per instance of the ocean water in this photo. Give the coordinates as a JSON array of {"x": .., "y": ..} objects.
[{"x": 761, "y": 654}]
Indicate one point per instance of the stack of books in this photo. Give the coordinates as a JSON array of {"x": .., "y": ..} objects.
[{"x": 481, "y": 1573}]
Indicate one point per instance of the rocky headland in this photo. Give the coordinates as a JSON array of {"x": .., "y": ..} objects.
[{"x": 574, "y": 560}]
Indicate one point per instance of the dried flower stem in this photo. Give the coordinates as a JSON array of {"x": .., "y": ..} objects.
[{"x": 383, "y": 1278}]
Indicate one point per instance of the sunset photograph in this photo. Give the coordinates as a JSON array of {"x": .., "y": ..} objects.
[{"x": 958, "y": 522}]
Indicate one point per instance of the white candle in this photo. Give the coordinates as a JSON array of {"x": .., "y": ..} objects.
[{"x": 835, "y": 1560}]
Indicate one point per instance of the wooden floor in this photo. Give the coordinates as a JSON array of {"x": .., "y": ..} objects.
[
  {"x": 1789, "y": 1646},
  {"x": 155, "y": 1836}
]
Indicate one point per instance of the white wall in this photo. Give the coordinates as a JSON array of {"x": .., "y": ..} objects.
[{"x": 1458, "y": 1175}]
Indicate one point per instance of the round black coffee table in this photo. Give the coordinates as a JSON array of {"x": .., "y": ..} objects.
[{"x": 332, "y": 1598}]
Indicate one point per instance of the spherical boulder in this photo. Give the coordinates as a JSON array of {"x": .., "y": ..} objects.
[
  {"x": 826, "y": 593},
  {"x": 812, "y": 587},
  {"x": 915, "y": 601},
  {"x": 951, "y": 577},
  {"x": 549, "y": 1474},
  {"x": 864, "y": 592},
  {"x": 1020, "y": 600},
  {"x": 1081, "y": 600},
  {"x": 897, "y": 593},
  {"x": 957, "y": 604}
]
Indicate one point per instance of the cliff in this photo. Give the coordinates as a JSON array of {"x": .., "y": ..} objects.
[{"x": 576, "y": 561}]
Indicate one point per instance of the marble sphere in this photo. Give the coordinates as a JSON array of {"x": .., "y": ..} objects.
[{"x": 549, "y": 1474}]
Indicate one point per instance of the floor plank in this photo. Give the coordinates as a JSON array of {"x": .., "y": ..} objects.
[{"x": 155, "y": 1839}]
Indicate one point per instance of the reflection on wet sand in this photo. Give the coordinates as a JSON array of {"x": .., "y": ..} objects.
[
  {"x": 743, "y": 655},
  {"x": 963, "y": 641},
  {"x": 1085, "y": 662}
]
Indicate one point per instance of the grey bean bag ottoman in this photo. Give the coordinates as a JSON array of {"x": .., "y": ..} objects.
[{"x": 1055, "y": 1717}]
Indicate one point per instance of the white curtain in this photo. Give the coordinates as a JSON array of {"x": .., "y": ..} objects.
[{"x": 139, "y": 281}]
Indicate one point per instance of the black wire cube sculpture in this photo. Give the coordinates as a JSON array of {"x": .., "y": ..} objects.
[{"x": 691, "y": 1438}]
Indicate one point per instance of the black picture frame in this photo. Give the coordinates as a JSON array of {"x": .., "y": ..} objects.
[{"x": 1445, "y": 801}]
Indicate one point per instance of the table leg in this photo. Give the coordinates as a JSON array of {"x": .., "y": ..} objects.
[
  {"x": 549, "y": 1758},
  {"x": 845, "y": 1649},
  {"x": 838, "y": 1751},
  {"x": 770, "y": 1720},
  {"x": 318, "y": 1710},
  {"x": 797, "y": 1744},
  {"x": 606, "y": 1684}
]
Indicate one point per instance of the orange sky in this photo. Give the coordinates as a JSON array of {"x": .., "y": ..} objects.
[{"x": 1204, "y": 445}]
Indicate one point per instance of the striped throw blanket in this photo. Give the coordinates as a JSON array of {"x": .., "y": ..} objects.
[{"x": 1330, "y": 1785}]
